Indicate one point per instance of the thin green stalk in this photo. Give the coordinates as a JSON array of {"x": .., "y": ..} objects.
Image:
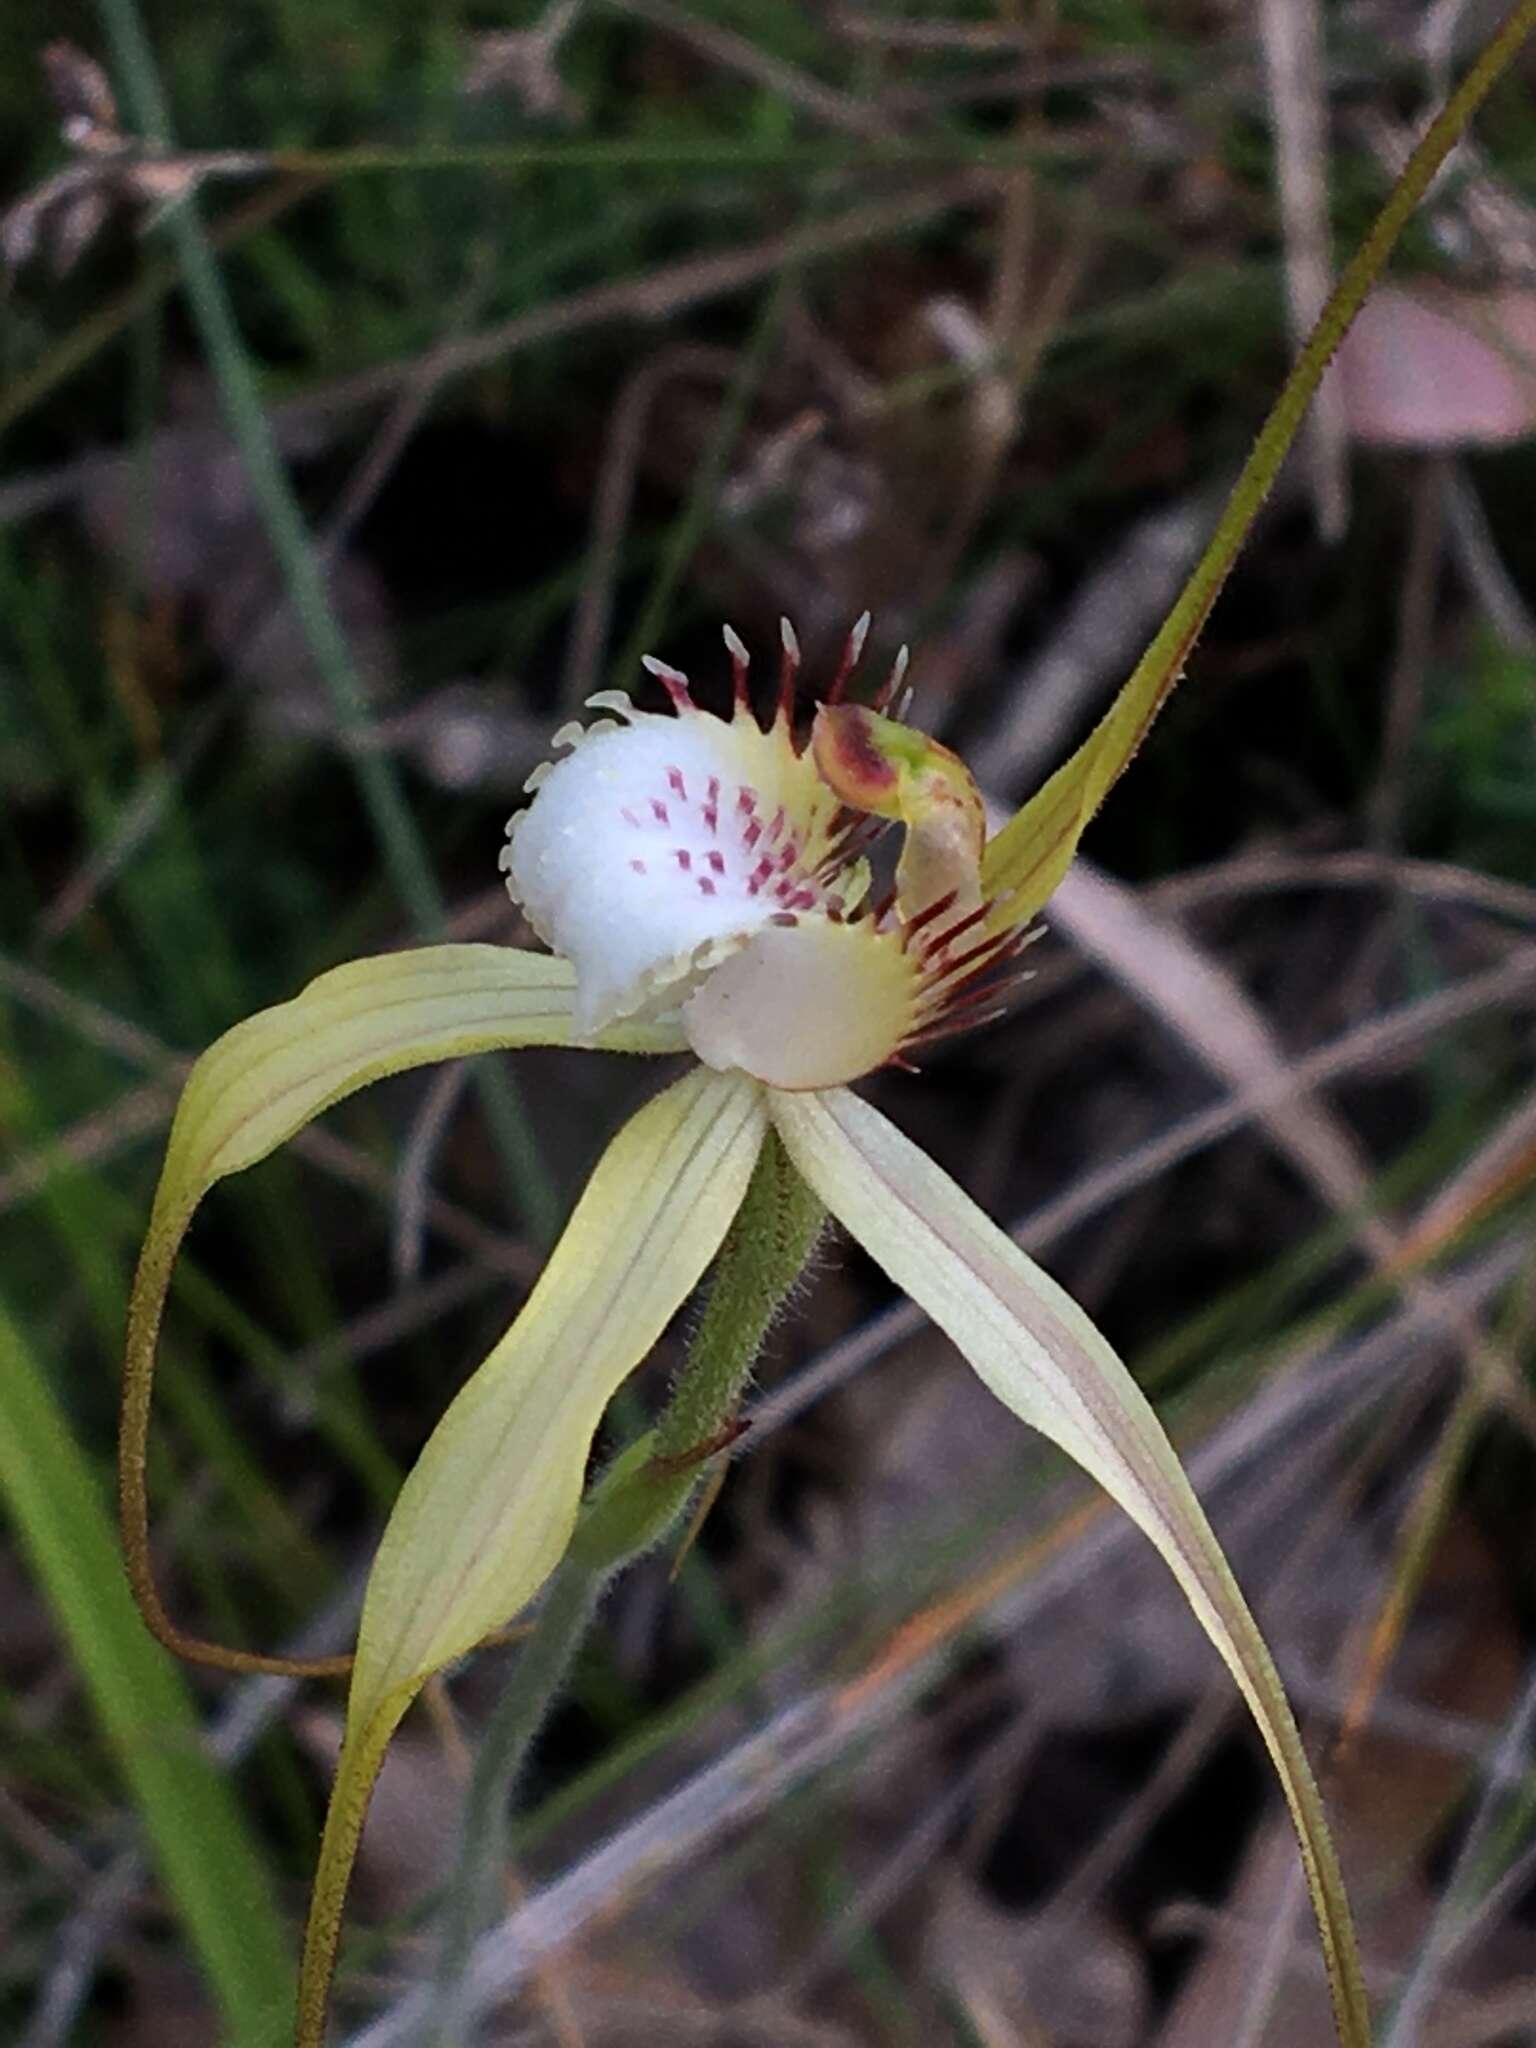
[
  {"x": 1165, "y": 654},
  {"x": 1025, "y": 861},
  {"x": 638, "y": 1499},
  {"x": 798, "y": 157},
  {"x": 539, "y": 1675},
  {"x": 764, "y": 1254},
  {"x": 302, "y": 574}
]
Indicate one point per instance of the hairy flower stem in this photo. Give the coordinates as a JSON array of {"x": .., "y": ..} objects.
[
  {"x": 631, "y": 1507},
  {"x": 542, "y": 1666},
  {"x": 763, "y": 1256}
]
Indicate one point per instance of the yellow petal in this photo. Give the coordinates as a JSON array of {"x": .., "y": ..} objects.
[
  {"x": 1043, "y": 1358},
  {"x": 267, "y": 1077},
  {"x": 270, "y": 1075},
  {"x": 489, "y": 1508},
  {"x": 1024, "y": 862},
  {"x": 807, "y": 1004}
]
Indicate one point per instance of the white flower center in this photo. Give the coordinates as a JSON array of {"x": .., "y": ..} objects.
[
  {"x": 658, "y": 848},
  {"x": 702, "y": 866}
]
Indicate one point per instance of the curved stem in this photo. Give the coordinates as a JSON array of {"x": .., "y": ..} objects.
[
  {"x": 362, "y": 1755},
  {"x": 151, "y": 1285}
]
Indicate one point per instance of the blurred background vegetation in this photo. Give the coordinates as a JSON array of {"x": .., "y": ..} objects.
[{"x": 541, "y": 336}]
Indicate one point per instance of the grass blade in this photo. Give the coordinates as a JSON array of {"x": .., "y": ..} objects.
[{"x": 211, "y": 1867}]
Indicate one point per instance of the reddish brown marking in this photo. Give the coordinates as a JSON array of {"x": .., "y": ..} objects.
[
  {"x": 853, "y": 647},
  {"x": 752, "y": 834},
  {"x": 789, "y": 675},
  {"x": 683, "y": 1461},
  {"x": 851, "y": 843},
  {"x": 847, "y": 755},
  {"x": 986, "y": 984},
  {"x": 989, "y": 979},
  {"x": 986, "y": 947},
  {"x": 659, "y": 811},
  {"x": 675, "y": 683},
  {"x": 683, "y": 858},
  {"x": 706, "y": 886},
  {"x": 628, "y": 816},
  {"x": 949, "y": 969},
  {"x": 638, "y": 866},
  {"x": 985, "y": 1003},
  {"x": 676, "y": 784},
  {"x": 784, "y": 917},
  {"x": 716, "y": 860},
  {"x": 1005, "y": 986},
  {"x": 915, "y": 924},
  {"x": 953, "y": 1029},
  {"x": 881, "y": 701},
  {"x": 937, "y": 943},
  {"x": 986, "y": 980},
  {"x": 739, "y": 683}
]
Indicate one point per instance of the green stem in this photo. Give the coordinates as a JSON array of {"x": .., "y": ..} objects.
[
  {"x": 542, "y": 1667},
  {"x": 1174, "y": 639},
  {"x": 764, "y": 1254},
  {"x": 631, "y": 1508},
  {"x": 299, "y": 565}
]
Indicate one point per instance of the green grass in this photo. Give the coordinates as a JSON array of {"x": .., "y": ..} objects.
[{"x": 208, "y": 1858}]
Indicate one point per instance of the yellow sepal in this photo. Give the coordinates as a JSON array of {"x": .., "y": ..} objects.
[
  {"x": 490, "y": 1506},
  {"x": 1042, "y": 1357}
]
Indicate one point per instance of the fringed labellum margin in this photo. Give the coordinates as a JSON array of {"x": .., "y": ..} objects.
[{"x": 709, "y": 868}]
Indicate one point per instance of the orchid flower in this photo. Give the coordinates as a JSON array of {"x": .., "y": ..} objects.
[{"x": 705, "y": 888}]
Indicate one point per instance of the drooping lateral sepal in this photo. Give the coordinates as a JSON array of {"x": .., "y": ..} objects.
[
  {"x": 1043, "y": 1358},
  {"x": 272, "y": 1074},
  {"x": 489, "y": 1507}
]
